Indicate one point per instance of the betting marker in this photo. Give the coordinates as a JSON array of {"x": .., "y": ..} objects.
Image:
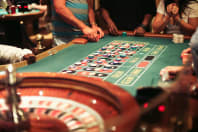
[
  {"x": 124, "y": 34},
  {"x": 178, "y": 38}
]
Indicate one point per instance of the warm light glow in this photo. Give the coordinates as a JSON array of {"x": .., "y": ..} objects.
[
  {"x": 145, "y": 105},
  {"x": 41, "y": 93},
  {"x": 161, "y": 108}
]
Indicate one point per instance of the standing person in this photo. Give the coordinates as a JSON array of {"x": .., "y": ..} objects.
[
  {"x": 176, "y": 16},
  {"x": 133, "y": 15},
  {"x": 73, "y": 18}
]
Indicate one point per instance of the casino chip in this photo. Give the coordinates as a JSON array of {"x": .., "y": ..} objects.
[
  {"x": 89, "y": 69},
  {"x": 100, "y": 74},
  {"x": 90, "y": 56},
  {"x": 124, "y": 34},
  {"x": 178, "y": 38},
  {"x": 122, "y": 48},
  {"x": 86, "y": 61},
  {"x": 77, "y": 63},
  {"x": 134, "y": 47},
  {"x": 68, "y": 71},
  {"x": 115, "y": 63},
  {"x": 103, "y": 48},
  {"x": 123, "y": 55},
  {"x": 94, "y": 65},
  {"x": 110, "y": 66},
  {"x": 118, "y": 59}
]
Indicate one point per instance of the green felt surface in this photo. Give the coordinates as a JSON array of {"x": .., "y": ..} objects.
[{"x": 75, "y": 53}]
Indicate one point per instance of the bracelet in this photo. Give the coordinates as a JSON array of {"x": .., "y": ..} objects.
[
  {"x": 93, "y": 24},
  {"x": 143, "y": 26}
]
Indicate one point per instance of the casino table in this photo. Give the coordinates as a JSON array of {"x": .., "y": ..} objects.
[
  {"x": 141, "y": 68},
  {"x": 19, "y": 26}
]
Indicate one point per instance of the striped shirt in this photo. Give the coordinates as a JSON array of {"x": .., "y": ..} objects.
[{"x": 66, "y": 32}]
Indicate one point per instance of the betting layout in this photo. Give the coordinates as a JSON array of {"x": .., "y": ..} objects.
[{"x": 119, "y": 62}]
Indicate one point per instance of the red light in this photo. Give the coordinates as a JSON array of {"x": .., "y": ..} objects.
[
  {"x": 25, "y": 6},
  {"x": 161, "y": 108},
  {"x": 145, "y": 105}
]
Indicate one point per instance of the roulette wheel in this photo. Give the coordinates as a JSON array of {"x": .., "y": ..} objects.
[{"x": 83, "y": 104}]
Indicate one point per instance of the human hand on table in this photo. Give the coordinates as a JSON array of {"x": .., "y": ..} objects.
[
  {"x": 90, "y": 33},
  {"x": 186, "y": 55},
  {"x": 170, "y": 72},
  {"x": 186, "y": 51},
  {"x": 139, "y": 31},
  {"x": 112, "y": 28},
  {"x": 99, "y": 31}
]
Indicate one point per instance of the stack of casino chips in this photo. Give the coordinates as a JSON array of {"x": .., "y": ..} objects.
[{"x": 178, "y": 38}]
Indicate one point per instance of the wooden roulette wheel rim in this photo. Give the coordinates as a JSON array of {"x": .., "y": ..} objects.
[{"x": 116, "y": 107}]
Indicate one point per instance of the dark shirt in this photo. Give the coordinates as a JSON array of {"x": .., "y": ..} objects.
[{"x": 128, "y": 14}]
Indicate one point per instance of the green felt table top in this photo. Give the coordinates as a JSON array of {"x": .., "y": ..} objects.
[{"x": 74, "y": 53}]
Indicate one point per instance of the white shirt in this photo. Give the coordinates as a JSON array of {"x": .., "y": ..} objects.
[
  {"x": 12, "y": 54},
  {"x": 190, "y": 12}
]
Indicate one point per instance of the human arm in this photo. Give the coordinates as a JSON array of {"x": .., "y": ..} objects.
[
  {"x": 140, "y": 30},
  {"x": 162, "y": 18},
  {"x": 92, "y": 19},
  {"x": 68, "y": 17},
  {"x": 188, "y": 28},
  {"x": 112, "y": 28},
  {"x": 186, "y": 56},
  {"x": 159, "y": 23},
  {"x": 170, "y": 72}
]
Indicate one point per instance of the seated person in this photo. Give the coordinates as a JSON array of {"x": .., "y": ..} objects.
[
  {"x": 189, "y": 56},
  {"x": 133, "y": 15},
  {"x": 176, "y": 16},
  {"x": 74, "y": 18}
]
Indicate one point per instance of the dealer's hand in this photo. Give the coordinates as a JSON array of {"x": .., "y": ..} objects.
[
  {"x": 170, "y": 72},
  {"x": 112, "y": 28},
  {"x": 139, "y": 31},
  {"x": 99, "y": 31},
  {"x": 90, "y": 33}
]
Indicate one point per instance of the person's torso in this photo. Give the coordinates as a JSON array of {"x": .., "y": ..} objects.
[
  {"x": 79, "y": 8},
  {"x": 189, "y": 12}
]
